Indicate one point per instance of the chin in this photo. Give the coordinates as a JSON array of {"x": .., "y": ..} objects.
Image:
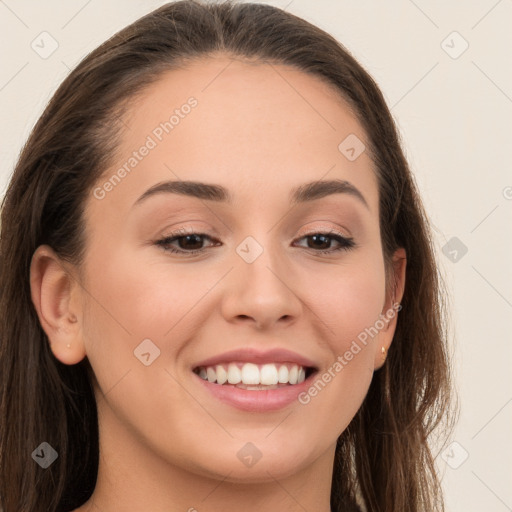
[{"x": 257, "y": 462}]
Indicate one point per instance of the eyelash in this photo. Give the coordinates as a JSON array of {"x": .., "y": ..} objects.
[{"x": 346, "y": 243}]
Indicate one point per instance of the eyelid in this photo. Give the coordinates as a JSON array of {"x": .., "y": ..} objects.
[
  {"x": 187, "y": 230},
  {"x": 326, "y": 230}
]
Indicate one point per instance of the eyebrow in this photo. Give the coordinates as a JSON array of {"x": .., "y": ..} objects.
[{"x": 211, "y": 192}]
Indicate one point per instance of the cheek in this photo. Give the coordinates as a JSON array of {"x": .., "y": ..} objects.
[
  {"x": 347, "y": 299},
  {"x": 141, "y": 297},
  {"x": 349, "y": 305}
]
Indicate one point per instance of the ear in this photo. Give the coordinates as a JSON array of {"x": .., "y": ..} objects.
[
  {"x": 391, "y": 308},
  {"x": 54, "y": 293}
]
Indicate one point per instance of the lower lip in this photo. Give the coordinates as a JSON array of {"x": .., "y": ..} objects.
[{"x": 256, "y": 400}]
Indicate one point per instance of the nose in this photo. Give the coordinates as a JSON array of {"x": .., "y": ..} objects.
[{"x": 262, "y": 293}]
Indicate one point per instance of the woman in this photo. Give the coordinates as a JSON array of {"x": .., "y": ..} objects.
[{"x": 218, "y": 288}]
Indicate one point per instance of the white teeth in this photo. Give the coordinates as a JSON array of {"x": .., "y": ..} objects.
[
  {"x": 293, "y": 374},
  {"x": 234, "y": 374},
  {"x": 268, "y": 375},
  {"x": 250, "y": 374},
  {"x": 211, "y": 375},
  {"x": 222, "y": 374},
  {"x": 282, "y": 374},
  {"x": 253, "y": 376}
]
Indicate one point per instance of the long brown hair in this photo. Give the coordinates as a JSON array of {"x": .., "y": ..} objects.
[{"x": 383, "y": 461}]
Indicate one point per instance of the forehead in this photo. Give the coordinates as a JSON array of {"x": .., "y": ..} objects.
[
  {"x": 252, "y": 126},
  {"x": 278, "y": 98}
]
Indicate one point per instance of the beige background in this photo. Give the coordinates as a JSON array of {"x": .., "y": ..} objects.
[{"x": 454, "y": 112}]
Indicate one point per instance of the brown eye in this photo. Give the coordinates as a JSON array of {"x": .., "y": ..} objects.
[
  {"x": 190, "y": 243},
  {"x": 322, "y": 242}
]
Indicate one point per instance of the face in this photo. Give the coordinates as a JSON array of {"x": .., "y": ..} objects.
[{"x": 261, "y": 278}]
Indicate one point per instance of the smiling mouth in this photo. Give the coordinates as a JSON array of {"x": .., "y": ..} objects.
[{"x": 256, "y": 377}]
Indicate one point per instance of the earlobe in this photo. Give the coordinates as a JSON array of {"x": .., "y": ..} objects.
[
  {"x": 389, "y": 315},
  {"x": 52, "y": 290}
]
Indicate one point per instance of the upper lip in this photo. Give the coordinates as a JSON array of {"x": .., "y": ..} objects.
[{"x": 248, "y": 355}]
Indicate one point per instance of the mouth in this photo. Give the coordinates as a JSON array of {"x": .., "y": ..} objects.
[
  {"x": 255, "y": 377},
  {"x": 255, "y": 381}
]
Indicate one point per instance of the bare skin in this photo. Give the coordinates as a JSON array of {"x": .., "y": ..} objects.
[{"x": 166, "y": 443}]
